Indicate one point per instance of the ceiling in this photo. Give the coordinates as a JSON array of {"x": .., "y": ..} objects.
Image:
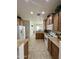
[{"x": 24, "y": 7}]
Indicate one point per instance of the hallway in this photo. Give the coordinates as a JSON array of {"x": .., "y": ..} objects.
[{"x": 37, "y": 49}]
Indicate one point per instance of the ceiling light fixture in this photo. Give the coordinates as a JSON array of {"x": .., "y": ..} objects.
[
  {"x": 50, "y": 17},
  {"x": 47, "y": 0},
  {"x": 26, "y": 0},
  {"x": 43, "y": 12},
  {"x": 31, "y": 12}
]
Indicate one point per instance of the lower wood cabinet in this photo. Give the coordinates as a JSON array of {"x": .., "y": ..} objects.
[
  {"x": 26, "y": 51},
  {"x": 53, "y": 50},
  {"x": 49, "y": 47},
  {"x": 39, "y": 35}
]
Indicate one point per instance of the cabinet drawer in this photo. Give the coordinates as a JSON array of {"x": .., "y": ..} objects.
[
  {"x": 55, "y": 51},
  {"x": 49, "y": 47}
]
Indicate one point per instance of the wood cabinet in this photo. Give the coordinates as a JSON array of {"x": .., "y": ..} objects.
[
  {"x": 50, "y": 20},
  {"x": 49, "y": 46},
  {"x": 47, "y": 22},
  {"x": 55, "y": 19},
  {"x": 53, "y": 50},
  {"x": 19, "y": 21},
  {"x": 59, "y": 27},
  {"x": 26, "y": 51},
  {"x": 57, "y": 22},
  {"x": 39, "y": 35}
]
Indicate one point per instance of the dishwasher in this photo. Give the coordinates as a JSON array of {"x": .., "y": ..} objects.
[{"x": 46, "y": 41}]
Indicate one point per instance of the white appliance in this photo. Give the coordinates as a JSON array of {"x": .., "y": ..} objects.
[
  {"x": 46, "y": 40},
  {"x": 20, "y": 32},
  {"x": 20, "y": 36}
]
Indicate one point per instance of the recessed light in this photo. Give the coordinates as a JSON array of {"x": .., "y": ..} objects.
[
  {"x": 47, "y": 0},
  {"x": 26, "y": 0},
  {"x": 31, "y": 12},
  {"x": 50, "y": 17},
  {"x": 43, "y": 12}
]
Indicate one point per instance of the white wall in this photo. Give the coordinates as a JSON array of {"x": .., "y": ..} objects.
[{"x": 35, "y": 23}]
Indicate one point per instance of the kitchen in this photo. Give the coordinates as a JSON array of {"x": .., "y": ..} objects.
[
  {"x": 27, "y": 31},
  {"x": 43, "y": 31}
]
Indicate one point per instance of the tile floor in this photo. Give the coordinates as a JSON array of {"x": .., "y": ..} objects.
[{"x": 38, "y": 50}]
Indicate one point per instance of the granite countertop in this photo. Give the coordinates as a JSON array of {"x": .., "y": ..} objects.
[
  {"x": 19, "y": 42},
  {"x": 39, "y": 32},
  {"x": 55, "y": 40}
]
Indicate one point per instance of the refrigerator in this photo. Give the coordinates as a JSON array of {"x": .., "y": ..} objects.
[
  {"x": 20, "y": 36},
  {"x": 20, "y": 32}
]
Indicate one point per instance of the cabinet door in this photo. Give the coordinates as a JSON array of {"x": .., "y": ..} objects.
[
  {"x": 47, "y": 22},
  {"x": 51, "y": 20},
  {"x": 55, "y": 51},
  {"x": 56, "y": 22},
  {"x": 26, "y": 51},
  {"x": 49, "y": 46},
  {"x": 59, "y": 22},
  {"x": 19, "y": 22}
]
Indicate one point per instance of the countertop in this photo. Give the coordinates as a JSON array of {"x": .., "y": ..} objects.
[
  {"x": 39, "y": 32},
  {"x": 55, "y": 40},
  {"x": 20, "y": 41}
]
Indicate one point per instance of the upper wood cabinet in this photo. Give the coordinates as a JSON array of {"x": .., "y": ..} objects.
[
  {"x": 54, "y": 19},
  {"x": 57, "y": 22},
  {"x": 47, "y": 22},
  {"x": 50, "y": 20},
  {"x": 19, "y": 21}
]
